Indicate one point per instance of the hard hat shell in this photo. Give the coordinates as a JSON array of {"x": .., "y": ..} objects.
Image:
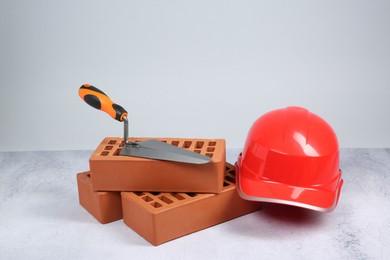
[{"x": 291, "y": 156}]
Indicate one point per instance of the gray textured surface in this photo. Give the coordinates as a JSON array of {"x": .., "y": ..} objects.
[{"x": 41, "y": 219}]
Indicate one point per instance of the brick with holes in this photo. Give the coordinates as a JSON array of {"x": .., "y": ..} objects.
[
  {"x": 113, "y": 172},
  {"x": 161, "y": 217},
  {"x": 105, "y": 206}
]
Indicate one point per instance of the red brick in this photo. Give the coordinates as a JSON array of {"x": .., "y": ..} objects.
[
  {"x": 112, "y": 172},
  {"x": 104, "y": 206},
  {"x": 160, "y": 217}
]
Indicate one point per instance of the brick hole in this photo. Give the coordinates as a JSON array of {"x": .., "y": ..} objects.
[
  {"x": 210, "y": 149},
  {"x": 228, "y": 178},
  {"x": 109, "y": 147},
  {"x": 163, "y": 141},
  {"x": 232, "y": 172},
  {"x": 165, "y": 199},
  {"x": 155, "y": 193},
  {"x": 175, "y": 143},
  {"x": 156, "y": 204},
  {"x": 177, "y": 196},
  {"x": 192, "y": 194},
  {"x": 122, "y": 144},
  {"x": 117, "y": 151},
  {"x": 89, "y": 175},
  {"x": 104, "y": 153},
  {"x": 209, "y": 155},
  {"x": 112, "y": 142},
  {"x": 197, "y": 151},
  {"x": 225, "y": 184},
  {"x": 199, "y": 145},
  {"x": 187, "y": 144},
  {"x": 139, "y": 193},
  {"x": 212, "y": 143},
  {"x": 147, "y": 198}
]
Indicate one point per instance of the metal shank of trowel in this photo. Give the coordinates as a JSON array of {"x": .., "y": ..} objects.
[{"x": 126, "y": 133}]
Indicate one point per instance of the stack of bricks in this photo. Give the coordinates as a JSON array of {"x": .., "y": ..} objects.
[{"x": 162, "y": 200}]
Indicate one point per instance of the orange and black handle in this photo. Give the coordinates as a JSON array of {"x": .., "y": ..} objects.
[{"x": 99, "y": 100}]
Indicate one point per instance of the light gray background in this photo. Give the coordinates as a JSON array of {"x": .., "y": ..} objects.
[{"x": 191, "y": 68}]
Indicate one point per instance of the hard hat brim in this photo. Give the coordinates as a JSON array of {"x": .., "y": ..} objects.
[{"x": 323, "y": 200}]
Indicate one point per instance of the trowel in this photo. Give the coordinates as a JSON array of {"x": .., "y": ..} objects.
[{"x": 152, "y": 149}]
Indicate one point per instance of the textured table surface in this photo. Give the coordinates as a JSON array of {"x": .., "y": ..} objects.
[{"x": 41, "y": 218}]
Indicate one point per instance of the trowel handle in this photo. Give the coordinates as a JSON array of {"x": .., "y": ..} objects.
[{"x": 99, "y": 100}]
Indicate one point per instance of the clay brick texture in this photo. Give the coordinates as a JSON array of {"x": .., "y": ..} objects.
[
  {"x": 104, "y": 206},
  {"x": 113, "y": 172},
  {"x": 160, "y": 217}
]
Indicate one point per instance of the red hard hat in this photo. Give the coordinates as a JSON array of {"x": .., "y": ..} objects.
[{"x": 291, "y": 156}]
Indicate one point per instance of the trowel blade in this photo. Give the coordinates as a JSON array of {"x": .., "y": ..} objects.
[{"x": 154, "y": 149}]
